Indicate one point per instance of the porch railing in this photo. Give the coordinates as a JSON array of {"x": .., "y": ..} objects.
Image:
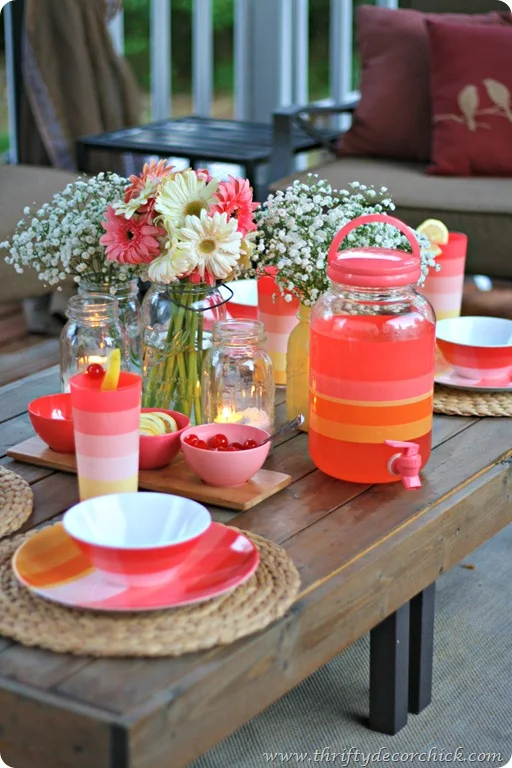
[{"x": 266, "y": 75}]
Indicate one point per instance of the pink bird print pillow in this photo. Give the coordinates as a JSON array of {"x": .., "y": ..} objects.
[{"x": 471, "y": 95}]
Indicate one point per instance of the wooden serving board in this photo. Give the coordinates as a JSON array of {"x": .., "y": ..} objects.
[{"x": 176, "y": 478}]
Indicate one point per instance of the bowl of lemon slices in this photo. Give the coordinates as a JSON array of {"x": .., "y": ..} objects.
[{"x": 160, "y": 432}]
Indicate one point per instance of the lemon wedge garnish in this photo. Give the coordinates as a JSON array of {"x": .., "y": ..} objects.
[
  {"x": 168, "y": 421},
  {"x": 111, "y": 378},
  {"x": 156, "y": 423},
  {"x": 435, "y": 230}
]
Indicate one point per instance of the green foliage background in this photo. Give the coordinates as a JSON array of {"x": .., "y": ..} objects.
[{"x": 137, "y": 43}]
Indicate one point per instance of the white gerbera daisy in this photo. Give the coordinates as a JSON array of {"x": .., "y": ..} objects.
[
  {"x": 173, "y": 264},
  {"x": 183, "y": 195},
  {"x": 212, "y": 242}
]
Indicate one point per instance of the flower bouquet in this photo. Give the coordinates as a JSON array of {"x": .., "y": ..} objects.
[
  {"x": 62, "y": 238},
  {"x": 297, "y": 225},
  {"x": 189, "y": 233}
]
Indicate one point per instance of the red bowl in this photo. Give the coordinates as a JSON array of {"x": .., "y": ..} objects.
[
  {"x": 137, "y": 539},
  {"x": 244, "y": 303},
  {"x": 479, "y": 348},
  {"x": 52, "y": 419},
  {"x": 157, "y": 451}
]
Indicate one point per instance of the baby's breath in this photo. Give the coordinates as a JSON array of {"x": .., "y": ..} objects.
[
  {"x": 63, "y": 236},
  {"x": 297, "y": 225}
]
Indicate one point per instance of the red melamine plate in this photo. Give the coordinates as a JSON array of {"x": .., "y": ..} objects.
[{"x": 52, "y": 566}]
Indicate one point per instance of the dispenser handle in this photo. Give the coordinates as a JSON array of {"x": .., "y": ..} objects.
[{"x": 373, "y": 218}]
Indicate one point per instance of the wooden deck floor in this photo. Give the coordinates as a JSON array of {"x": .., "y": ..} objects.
[{"x": 20, "y": 353}]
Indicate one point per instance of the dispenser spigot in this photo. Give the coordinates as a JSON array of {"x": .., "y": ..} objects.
[{"x": 407, "y": 463}]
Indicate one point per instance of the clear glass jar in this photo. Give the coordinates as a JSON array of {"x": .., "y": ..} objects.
[
  {"x": 130, "y": 318},
  {"x": 178, "y": 320},
  {"x": 91, "y": 333},
  {"x": 297, "y": 369},
  {"x": 371, "y": 379},
  {"x": 238, "y": 377}
]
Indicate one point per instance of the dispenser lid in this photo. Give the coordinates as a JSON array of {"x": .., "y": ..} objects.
[{"x": 374, "y": 268}]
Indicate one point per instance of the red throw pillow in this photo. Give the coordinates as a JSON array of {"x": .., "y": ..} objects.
[
  {"x": 393, "y": 117},
  {"x": 471, "y": 92}
]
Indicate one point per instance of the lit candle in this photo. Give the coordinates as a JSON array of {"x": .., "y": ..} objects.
[
  {"x": 252, "y": 417},
  {"x": 227, "y": 416}
]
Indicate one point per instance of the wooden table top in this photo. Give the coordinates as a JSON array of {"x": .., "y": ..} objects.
[{"x": 362, "y": 552}]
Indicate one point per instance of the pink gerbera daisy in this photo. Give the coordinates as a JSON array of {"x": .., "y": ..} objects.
[
  {"x": 234, "y": 197},
  {"x": 130, "y": 241},
  {"x": 153, "y": 172}
]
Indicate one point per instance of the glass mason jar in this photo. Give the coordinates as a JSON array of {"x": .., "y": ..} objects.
[
  {"x": 297, "y": 369},
  {"x": 238, "y": 377},
  {"x": 372, "y": 348},
  {"x": 91, "y": 333},
  {"x": 127, "y": 295},
  {"x": 178, "y": 321}
]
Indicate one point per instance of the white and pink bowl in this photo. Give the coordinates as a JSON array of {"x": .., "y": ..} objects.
[
  {"x": 137, "y": 539},
  {"x": 478, "y": 348}
]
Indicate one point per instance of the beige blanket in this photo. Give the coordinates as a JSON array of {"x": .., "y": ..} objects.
[{"x": 75, "y": 84}]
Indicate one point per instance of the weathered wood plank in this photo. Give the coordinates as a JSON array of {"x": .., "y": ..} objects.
[
  {"x": 15, "y": 397},
  {"x": 29, "y": 359},
  {"x": 29, "y": 472},
  {"x": 39, "y": 730},
  {"x": 40, "y": 668},
  {"x": 14, "y": 431},
  {"x": 52, "y": 495}
]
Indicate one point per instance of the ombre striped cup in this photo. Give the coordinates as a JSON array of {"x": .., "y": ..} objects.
[
  {"x": 106, "y": 426},
  {"x": 279, "y": 318},
  {"x": 444, "y": 288}
]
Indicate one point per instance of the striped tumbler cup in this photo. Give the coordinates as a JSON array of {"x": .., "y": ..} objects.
[{"x": 106, "y": 426}]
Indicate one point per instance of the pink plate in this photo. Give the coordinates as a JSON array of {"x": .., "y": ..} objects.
[
  {"x": 51, "y": 565},
  {"x": 450, "y": 378}
]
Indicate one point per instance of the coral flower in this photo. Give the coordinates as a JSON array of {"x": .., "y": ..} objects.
[
  {"x": 234, "y": 197},
  {"x": 153, "y": 172},
  {"x": 130, "y": 241}
]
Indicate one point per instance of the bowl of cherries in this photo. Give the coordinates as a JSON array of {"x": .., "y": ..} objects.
[{"x": 225, "y": 455}]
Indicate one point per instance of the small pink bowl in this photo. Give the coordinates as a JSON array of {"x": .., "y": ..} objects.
[
  {"x": 157, "y": 451},
  {"x": 479, "y": 348},
  {"x": 223, "y": 469},
  {"x": 52, "y": 419}
]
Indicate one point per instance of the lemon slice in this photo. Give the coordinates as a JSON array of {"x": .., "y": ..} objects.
[
  {"x": 168, "y": 421},
  {"x": 111, "y": 378},
  {"x": 149, "y": 423},
  {"x": 435, "y": 230}
]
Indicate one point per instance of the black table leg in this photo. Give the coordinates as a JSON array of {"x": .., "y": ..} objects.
[
  {"x": 389, "y": 673},
  {"x": 421, "y": 649}
]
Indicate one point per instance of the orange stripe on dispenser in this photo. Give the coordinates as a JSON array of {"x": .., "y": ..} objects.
[
  {"x": 362, "y": 433},
  {"x": 378, "y": 414}
]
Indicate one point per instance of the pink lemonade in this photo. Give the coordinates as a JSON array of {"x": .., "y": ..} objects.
[{"x": 371, "y": 380}]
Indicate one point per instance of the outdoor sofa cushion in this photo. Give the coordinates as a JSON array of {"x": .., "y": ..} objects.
[
  {"x": 471, "y": 99},
  {"x": 480, "y": 207},
  {"x": 22, "y": 185},
  {"x": 393, "y": 118}
]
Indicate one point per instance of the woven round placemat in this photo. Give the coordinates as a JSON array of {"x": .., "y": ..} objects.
[
  {"x": 16, "y": 501},
  {"x": 252, "y": 606},
  {"x": 460, "y": 402}
]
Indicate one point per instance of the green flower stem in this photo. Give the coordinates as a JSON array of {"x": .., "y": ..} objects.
[{"x": 174, "y": 374}]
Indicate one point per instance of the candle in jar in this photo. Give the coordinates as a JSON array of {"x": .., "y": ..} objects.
[{"x": 252, "y": 417}]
